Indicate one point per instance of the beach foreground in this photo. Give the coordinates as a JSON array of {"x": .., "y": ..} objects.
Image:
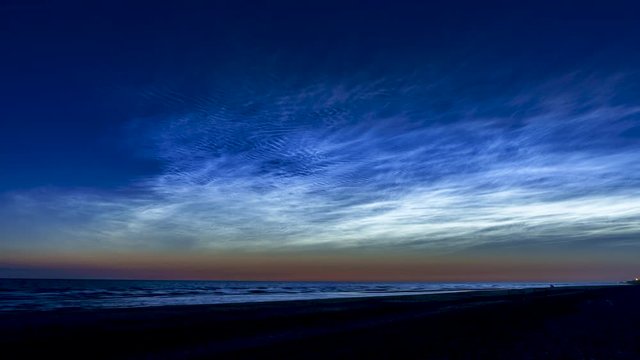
[{"x": 553, "y": 323}]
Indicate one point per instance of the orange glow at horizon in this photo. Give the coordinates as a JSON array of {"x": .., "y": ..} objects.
[{"x": 310, "y": 267}]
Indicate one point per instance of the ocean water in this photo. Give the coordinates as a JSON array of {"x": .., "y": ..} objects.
[{"x": 33, "y": 294}]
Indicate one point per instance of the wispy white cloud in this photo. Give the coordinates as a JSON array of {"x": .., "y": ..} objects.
[{"x": 363, "y": 166}]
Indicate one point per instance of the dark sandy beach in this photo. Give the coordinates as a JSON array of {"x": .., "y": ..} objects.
[{"x": 554, "y": 323}]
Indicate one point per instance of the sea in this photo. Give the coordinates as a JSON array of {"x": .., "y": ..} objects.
[{"x": 46, "y": 295}]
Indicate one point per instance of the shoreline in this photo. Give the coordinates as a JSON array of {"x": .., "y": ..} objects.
[
  {"x": 501, "y": 321},
  {"x": 278, "y": 297}
]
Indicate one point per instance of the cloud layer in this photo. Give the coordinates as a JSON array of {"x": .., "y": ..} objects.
[{"x": 376, "y": 164}]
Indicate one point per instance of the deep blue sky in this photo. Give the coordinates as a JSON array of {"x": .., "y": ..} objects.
[
  {"x": 74, "y": 73},
  {"x": 429, "y": 126}
]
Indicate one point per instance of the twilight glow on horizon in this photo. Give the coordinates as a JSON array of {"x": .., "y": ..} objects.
[{"x": 334, "y": 141}]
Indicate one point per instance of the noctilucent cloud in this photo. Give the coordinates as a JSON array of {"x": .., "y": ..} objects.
[{"x": 433, "y": 129}]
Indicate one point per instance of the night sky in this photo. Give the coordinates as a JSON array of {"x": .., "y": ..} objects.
[{"x": 327, "y": 140}]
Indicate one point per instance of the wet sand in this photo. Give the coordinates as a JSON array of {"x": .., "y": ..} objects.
[{"x": 553, "y": 323}]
